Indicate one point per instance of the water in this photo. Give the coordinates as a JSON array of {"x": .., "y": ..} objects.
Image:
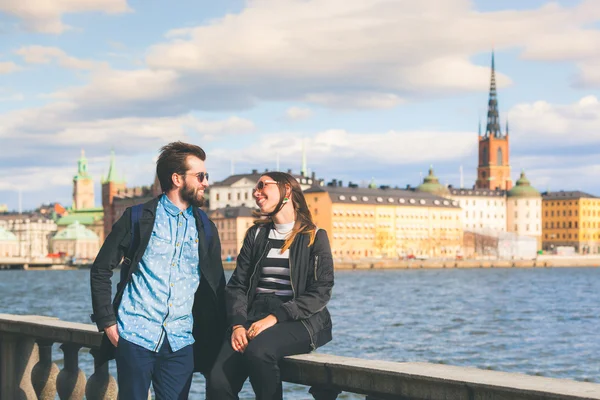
[{"x": 535, "y": 321}]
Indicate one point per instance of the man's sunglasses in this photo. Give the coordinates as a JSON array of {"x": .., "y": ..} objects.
[
  {"x": 201, "y": 176},
  {"x": 260, "y": 185}
]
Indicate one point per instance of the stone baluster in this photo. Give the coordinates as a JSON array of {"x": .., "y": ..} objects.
[
  {"x": 324, "y": 393},
  {"x": 101, "y": 385},
  {"x": 44, "y": 373},
  {"x": 70, "y": 383},
  {"x": 18, "y": 355}
]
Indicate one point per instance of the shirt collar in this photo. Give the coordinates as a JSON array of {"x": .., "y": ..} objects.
[{"x": 172, "y": 209}]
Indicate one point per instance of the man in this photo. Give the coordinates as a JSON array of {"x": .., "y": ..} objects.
[{"x": 167, "y": 318}]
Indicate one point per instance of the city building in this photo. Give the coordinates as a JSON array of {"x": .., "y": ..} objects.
[
  {"x": 571, "y": 219},
  {"x": 9, "y": 244},
  {"x": 76, "y": 242},
  {"x": 33, "y": 232},
  {"x": 83, "y": 209},
  {"x": 116, "y": 196},
  {"x": 83, "y": 186},
  {"x": 391, "y": 223},
  {"x": 482, "y": 209},
  {"x": 236, "y": 190},
  {"x": 493, "y": 170},
  {"x": 524, "y": 210},
  {"x": 232, "y": 223}
]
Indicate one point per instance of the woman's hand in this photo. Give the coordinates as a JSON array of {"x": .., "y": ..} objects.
[
  {"x": 261, "y": 325},
  {"x": 239, "y": 338}
]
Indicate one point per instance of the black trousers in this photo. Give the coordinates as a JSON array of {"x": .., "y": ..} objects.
[{"x": 259, "y": 362}]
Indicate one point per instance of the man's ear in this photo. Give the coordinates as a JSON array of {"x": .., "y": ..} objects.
[{"x": 177, "y": 180}]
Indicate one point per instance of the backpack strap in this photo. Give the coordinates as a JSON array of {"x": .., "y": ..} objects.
[
  {"x": 136, "y": 213},
  {"x": 208, "y": 233}
]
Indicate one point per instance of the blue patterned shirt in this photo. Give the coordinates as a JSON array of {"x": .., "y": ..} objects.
[{"x": 158, "y": 299}]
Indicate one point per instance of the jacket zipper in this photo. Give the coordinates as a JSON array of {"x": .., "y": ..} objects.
[
  {"x": 256, "y": 267},
  {"x": 316, "y": 263},
  {"x": 312, "y": 344}
]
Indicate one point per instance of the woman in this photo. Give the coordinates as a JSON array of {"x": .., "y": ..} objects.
[{"x": 277, "y": 294}]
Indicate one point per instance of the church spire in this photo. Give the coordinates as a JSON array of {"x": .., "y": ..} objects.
[
  {"x": 493, "y": 117},
  {"x": 112, "y": 169},
  {"x": 82, "y": 167}
]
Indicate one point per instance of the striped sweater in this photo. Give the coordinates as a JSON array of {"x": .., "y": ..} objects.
[{"x": 275, "y": 266}]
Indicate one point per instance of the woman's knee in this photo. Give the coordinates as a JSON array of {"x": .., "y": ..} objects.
[{"x": 255, "y": 352}]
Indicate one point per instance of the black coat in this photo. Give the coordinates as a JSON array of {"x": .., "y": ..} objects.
[
  {"x": 209, "y": 305},
  {"x": 311, "y": 274}
]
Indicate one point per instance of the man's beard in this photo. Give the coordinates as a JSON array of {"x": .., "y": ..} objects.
[{"x": 190, "y": 196}]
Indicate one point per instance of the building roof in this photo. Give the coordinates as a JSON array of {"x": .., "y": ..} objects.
[
  {"x": 567, "y": 195},
  {"x": 431, "y": 184},
  {"x": 6, "y": 236},
  {"x": 112, "y": 171},
  {"x": 255, "y": 176},
  {"x": 403, "y": 197},
  {"x": 76, "y": 231},
  {"x": 468, "y": 192},
  {"x": 234, "y": 212},
  {"x": 523, "y": 188},
  {"x": 87, "y": 216},
  {"x": 32, "y": 216}
]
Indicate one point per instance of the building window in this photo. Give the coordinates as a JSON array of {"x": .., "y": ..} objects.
[
  {"x": 228, "y": 196},
  {"x": 246, "y": 196},
  {"x": 218, "y": 196},
  {"x": 516, "y": 228},
  {"x": 516, "y": 215},
  {"x": 499, "y": 155},
  {"x": 239, "y": 196}
]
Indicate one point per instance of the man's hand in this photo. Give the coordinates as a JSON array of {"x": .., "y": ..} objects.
[
  {"x": 239, "y": 339},
  {"x": 261, "y": 325},
  {"x": 113, "y": 334}
]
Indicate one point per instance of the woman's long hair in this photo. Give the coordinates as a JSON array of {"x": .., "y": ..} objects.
[{"x": 304, "y": 223}]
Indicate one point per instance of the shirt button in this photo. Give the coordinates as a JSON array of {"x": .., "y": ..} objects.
[
  {"x": 177, "y": 244},
  {"x": 173, "y": 264},
  {"x": 196, "y": 240},
  {"x": 170, "y": 304},
  {"x": 180, "y": 224},
  {"x": 165, "y": 324},
  {"x": 171, "y": 285}
]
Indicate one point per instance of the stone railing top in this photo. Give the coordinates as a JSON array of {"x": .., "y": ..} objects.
[
  {"x": 411, "y": 380},
  {"x": 386, "y": 377},
  {"x": 52, "y": 329}
]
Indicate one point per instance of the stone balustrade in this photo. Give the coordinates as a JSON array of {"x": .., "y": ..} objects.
[{"x": 27, "y": 371}]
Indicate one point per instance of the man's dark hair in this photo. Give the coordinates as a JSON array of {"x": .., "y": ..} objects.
[{"x": 172, "y": 160}]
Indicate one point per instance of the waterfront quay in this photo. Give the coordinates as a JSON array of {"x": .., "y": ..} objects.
[
  {"x": 540, "y": 262},
  {"x": 27, "y": 371}
]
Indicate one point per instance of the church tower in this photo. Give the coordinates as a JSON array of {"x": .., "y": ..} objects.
[
  {"x": 83, "y": 186},
  {"x": 110, "y": 187},
  {"x": 493, "y": 171}
]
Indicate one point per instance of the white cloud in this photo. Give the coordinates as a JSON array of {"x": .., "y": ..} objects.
[
  {"x": 355, "y": 100},
  {"x": 298, "y": 113},
  {"x": 350, "y": 151},
  {"x": 45, "y": 55},
  {"x": 6, "y": 67},
  {"x": 45, "y": 15},
  {"x": 541, "y": 124}
]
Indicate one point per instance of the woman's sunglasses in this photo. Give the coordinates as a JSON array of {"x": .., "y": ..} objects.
[{"x": 260, "y": 185}]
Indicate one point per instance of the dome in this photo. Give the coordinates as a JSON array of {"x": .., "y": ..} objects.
[
  {"x": 6, "y": 236},
  {"x": 523, "y": 188},
  {"x": 431, "y": 184},
  {"x": 76, "y": 231}
]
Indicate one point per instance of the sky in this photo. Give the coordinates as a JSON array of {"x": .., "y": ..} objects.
[{"x": 375, "y": 89}]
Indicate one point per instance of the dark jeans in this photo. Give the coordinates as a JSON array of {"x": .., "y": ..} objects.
[
  {"x": 259, "y": 362},
  {"x": 170, "y": 372}
]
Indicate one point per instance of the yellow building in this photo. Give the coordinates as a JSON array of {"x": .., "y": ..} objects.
[
  {"x": 232, "y": 223},
  {"x": 572, "y": 219},
  {"x": 386, "y": 222}
]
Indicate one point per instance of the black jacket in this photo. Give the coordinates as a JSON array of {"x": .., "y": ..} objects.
[
  {"x": 311, "y": 274},
  {"x": 209, "y": 303}
]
